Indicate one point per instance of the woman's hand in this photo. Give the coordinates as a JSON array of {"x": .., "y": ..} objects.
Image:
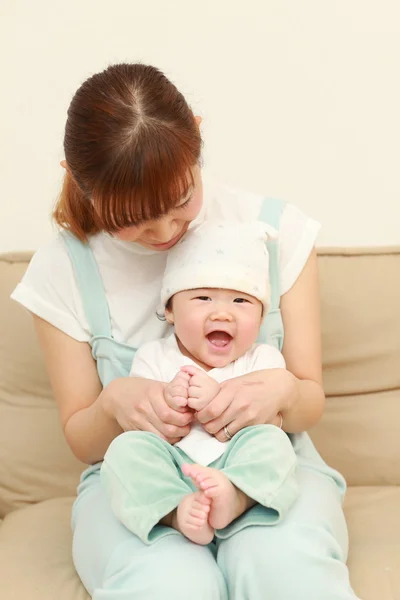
[
  {"x": 253, "y": 399},
  {"x": 139, "y": 404}
]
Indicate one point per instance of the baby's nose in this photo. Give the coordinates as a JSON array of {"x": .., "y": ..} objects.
[{"x": 221, "y": 314}]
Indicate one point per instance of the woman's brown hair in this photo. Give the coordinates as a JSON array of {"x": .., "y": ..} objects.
[{"x": 131, "y": 142}]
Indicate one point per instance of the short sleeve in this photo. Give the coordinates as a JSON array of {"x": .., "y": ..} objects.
[
  {"x": 49, "y": 290},
  {"x": 297, "y": 237},
  {"x": 265, "y": 356}
]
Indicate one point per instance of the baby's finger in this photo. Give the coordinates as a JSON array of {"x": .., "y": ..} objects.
[
  {"x": 180, "y": 379},
  {"x": 175, "y": 402},
  {"x": 191, "y": 370},
  {"x": 178, "y": 390},
  {"x": 194, "y": 391}
]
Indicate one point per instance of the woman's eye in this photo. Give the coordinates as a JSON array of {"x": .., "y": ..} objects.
[
  {"x": 240, "y": 300},
  {"x": 186, "y": 203}
]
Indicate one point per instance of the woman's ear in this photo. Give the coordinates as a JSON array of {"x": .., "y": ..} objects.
[{"x": 64, "y": 165}]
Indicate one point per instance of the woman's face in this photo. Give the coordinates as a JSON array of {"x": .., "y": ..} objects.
[{"x": 163, "y": 233}]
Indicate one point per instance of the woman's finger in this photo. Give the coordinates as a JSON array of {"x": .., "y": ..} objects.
[
  {"x": 228, "y": 416},
  {"x": 236, "y": 420},
  {"x": 216, "y": 407},
  {"x": 145, "y": 425},
  {"x": 221, "y": 434},
  {"x": 167, "y": 415},
  {"x": 168, "y": 430}
]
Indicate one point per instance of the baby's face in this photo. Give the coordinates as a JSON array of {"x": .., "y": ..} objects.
[{"x": 215, "y": 327}]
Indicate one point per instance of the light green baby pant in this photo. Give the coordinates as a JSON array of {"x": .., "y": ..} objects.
[{"x": 142, "y": 477}]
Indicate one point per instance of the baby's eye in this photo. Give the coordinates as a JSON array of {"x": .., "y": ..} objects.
[
  {"x": 240, "y": 300},
  {"x": 204, "y": 298}
]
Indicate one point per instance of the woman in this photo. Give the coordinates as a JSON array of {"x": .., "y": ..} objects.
[{"x": 133, "y": 186}]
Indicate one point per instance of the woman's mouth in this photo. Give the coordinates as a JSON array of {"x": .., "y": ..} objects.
[{"x": 170, "y": 243}]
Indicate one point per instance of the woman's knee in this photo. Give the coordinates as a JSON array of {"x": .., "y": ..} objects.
[
  {"x": 114, "y": 564},
  {"x": 172, "y": 568},
  {"x": 296, "y": 564}
]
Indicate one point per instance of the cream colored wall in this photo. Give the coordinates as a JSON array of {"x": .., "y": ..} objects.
[{"x": 300, "y": 100}]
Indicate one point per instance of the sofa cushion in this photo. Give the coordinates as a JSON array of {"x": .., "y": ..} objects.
[
  {"x": 35, "y": 548},
  {"x": 35, "y": 461},
  {"x": 359, "y": 436},
  {"x": 35, "y": 554},
  {"x": 373, "y": 518}
]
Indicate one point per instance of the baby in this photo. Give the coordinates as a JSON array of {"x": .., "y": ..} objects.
[{"x": 216, "y": 293}]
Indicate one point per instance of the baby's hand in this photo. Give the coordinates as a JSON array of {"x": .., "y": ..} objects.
[
  {"x": 202, "y": 387},
  {"x": 176, "y": 392}
]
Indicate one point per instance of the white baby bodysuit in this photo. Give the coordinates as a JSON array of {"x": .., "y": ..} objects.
[{"x": 161, "y": 360}]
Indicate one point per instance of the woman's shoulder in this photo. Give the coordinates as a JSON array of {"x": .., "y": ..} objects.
[
  {"x": 298, "y": 234},
  {"x": 50, "y": 260},
  {"x": 48, "y": 289},
  {"x": 297, "y": 231},
  {"x": 228, "y": 202},
  {"x": 233, "y": 202}
]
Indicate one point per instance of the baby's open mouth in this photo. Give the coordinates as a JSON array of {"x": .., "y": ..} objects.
[{"x": 219, "y": 339}]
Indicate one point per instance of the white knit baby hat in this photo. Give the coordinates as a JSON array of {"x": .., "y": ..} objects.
[{"x": 221, "y": 254}]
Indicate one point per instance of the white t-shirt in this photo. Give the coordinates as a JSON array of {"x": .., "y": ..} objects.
[
  {"x": 132, "y": 274},
  {"x": 161, "y": 360}
]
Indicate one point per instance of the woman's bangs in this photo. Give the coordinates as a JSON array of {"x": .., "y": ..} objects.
[{"x": 131, "y": 193}]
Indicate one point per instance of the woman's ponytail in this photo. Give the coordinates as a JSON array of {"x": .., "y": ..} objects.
[{"x": 73, "y": 211}]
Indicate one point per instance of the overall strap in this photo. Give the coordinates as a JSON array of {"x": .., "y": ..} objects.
[
  {"x": 271, "y": 211},
  {"x": 90, "y": 285},
  {"x": 272, "y": 327}
]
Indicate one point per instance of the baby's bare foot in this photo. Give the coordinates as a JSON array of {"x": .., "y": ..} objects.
[
  {"x": 227, "y": 501},
  {"x": 191, "y": 518}
]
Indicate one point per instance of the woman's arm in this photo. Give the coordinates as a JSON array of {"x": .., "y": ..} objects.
[
  {"x": 92, "y": 416},
  {"x": 300, "y": 308},
  {"x": 78, "y": 391}
]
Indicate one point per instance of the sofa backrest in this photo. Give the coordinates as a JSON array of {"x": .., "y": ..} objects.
[
  {"x": 35, "y": 461},
  {"x": 360, "y": 299}
]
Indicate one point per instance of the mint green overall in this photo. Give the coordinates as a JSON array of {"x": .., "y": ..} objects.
[{"x": 302, "y": 557}]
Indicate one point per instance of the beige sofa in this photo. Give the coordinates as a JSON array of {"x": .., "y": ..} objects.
[{"x": 359, "y": 434}]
